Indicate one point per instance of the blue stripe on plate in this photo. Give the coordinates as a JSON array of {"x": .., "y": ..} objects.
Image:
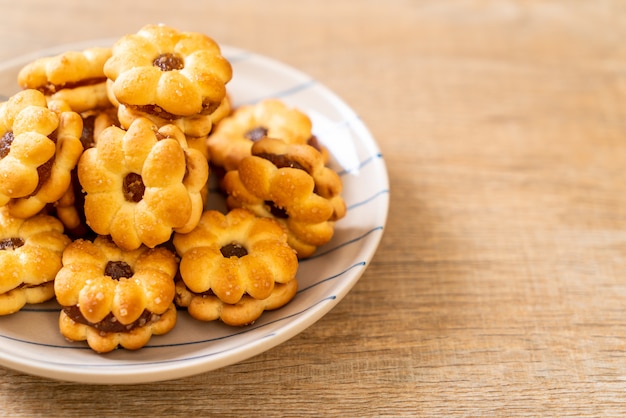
[
  {"x": 359, "y": 264},
  {"x": 341, "y": 245},
  {"x": 362, "y": 164},
  {"x": 369, "y": 199}
]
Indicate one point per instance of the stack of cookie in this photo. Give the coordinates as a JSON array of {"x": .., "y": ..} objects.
[
  {"x": 110, "y": 149},
  {"x": 38, "y": 150}
]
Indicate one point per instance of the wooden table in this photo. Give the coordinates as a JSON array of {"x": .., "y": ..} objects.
[{"x": 499, "y": 288}]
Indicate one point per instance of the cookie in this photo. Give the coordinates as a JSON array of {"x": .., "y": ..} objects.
[
  {"x": 234, "y": 135},
  {"x": 111, "y": 297},
  {"x": 143, "y": 184},
  {"x": 235, "y": 257},
  {"x": 76, "y": 77},
  {"x": 38, "y": 150},
  {"x": 290, "y": 184},
  {"x": 208, "y": 307},
  {"x": 30, "y": 255},
  {"x": 167, "y": 73}
]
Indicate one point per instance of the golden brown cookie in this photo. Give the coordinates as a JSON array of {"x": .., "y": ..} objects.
[
  {"x": 142, "y": 184},
  {"x": 235, "y": 254},
  {"x": 291, "y": 184},
  {"x": 30, "y": 256},
  {"x": 112, "y": 297},
  {"x": 208, "y": 307},
  {"x": 38, "y": 150},
  {"x": 168, "y": 73},
  {"x": 76, "y": 77},
  {"x": 232, "y": 138},
  {"x": 235, "y": 257}
]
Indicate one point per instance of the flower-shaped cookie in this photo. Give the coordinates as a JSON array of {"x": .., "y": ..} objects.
[
  {"x": 208, "y": 307},
  {"x": 233, "y": 137},
  {"x": 113, "y": 297},
  {"x": 234, "y": 255},
  {"x": 30, "y": 256},
  {"x": 142, "y": 184},
  {"x": 38, "y": 149},
  {"x": 168, "y": 73},
  {"x": 76, "y": 77},
  {"x": 291, "y": 184}
]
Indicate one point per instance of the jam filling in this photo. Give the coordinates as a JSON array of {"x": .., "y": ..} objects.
[
  {"x": 118, "y": 269},
  {"x": 87, "y": 135},
  {"x": 315, "y": 143},
  {"x": 281, "y": 161},
  {"x": 207, "y": 293},
  {"x": 256, "y": 134},
  {"x": 50, "y": 89},
  {"x": 133, "y": 188},
  {"x": 81, "y": 230},
  {"x": 233, "y": 250},
  {"x": 277, "y": 212},
  {"x": 11, "y": 243},
  {"x": 33, "y": 286},
  {"x": 110, "y": 323},
  {"x": 168, "y": 62},
  {"x": 44, "y": 172},
  {"x": 155, "y": 110},
  {"x": 209, "y": 107},
  {"x": 5, "y": 144},
  {"x": 160, "y": 136}
]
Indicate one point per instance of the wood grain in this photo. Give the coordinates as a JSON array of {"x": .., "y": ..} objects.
[{"x": 498, "y": 289}]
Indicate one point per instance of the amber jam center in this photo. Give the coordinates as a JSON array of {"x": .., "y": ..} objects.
[
  {"x": 233, "y": 250},
  {"x": 256, "y": 134},
  {"x": 118, "y": 269},
  {"x": 133, "y": 188},
  {"x": 11, "y": 243},
  {"x": 5, "y": 144},
  {"x": 168, "y": 62}
]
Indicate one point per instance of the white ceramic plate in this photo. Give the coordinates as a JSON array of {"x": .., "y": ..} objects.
[{"x": 30, "y": 341}]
